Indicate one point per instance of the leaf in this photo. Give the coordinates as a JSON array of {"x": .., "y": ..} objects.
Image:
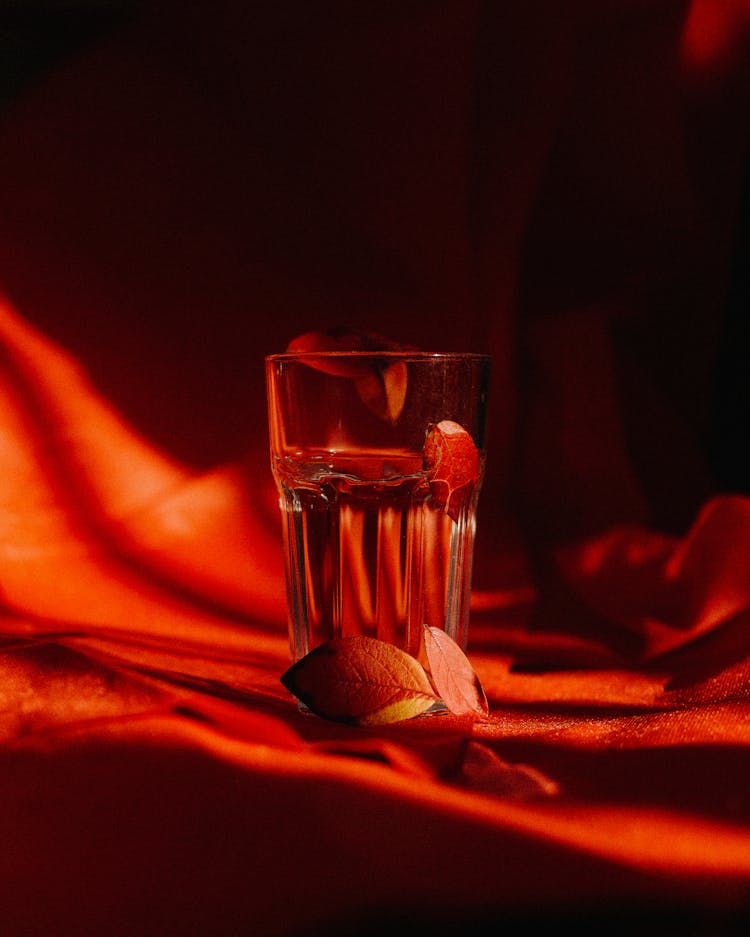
[
  {"x": 451, "y": 464},
  {"x": 380, "y": 383},
  {"x": 485, "y": 771},
  {"x": 384, "y": 390},
  {"x": 360, "y": 680},
  {"x": 452, "y": 675}
]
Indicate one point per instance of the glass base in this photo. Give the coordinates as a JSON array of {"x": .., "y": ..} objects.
[{"x": 437, "y": 709}]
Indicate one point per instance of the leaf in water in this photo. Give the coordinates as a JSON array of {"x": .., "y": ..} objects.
[
  {"x": 452, "y": 675},
  {"x": 380, "y": 383},
  {"x": 451, "y": 463},
  {"x": 360, "y": 680},
  {"x": 383, "y": 390}
]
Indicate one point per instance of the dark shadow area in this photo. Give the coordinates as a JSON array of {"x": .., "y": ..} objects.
[
  {"x": 621, "y": 921},
  {"x": 729, "y": 447},
  {"x": 35, "y": 36}
]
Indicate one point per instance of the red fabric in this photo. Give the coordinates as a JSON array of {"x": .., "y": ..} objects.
[{"x": 185, "y": 195}]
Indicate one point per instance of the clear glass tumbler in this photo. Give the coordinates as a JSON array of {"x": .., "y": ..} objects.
[{"x": 378, "y": 458}]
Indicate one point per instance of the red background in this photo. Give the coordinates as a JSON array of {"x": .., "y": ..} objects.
[{"x": 183, "y": 189}]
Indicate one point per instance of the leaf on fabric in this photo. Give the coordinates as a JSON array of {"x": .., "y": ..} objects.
[
  {"x": 361, "y": 681},
  {"x": 451, "y": 464},
  {"x": 380, "y": 383},
  {"x": 483, "y": 770},
  {"x": 452, "y": 675}
]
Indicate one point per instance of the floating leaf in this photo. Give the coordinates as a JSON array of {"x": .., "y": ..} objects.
[
  {"x": 451, "y": 464},
  {"x": 360, "y": 680},
  {"x": 380, "y": 382},
  {"x": 452, "y": 675},
  {"x": 383, "y": 390}
]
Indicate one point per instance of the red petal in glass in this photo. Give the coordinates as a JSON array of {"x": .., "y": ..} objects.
[{"x": 451, "y": 463}]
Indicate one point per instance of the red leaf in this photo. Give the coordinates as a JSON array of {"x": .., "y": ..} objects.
[
  {"x": 451, "y": 463},
  {"x": 342, "y": 338},
  {"x": 384, "y": 390},
  {"x": 360, "y": 680},
  {"x": 452, "y": 675},
  {"x": 485, "y": 771},
  {"x": 381, "y": 384}
]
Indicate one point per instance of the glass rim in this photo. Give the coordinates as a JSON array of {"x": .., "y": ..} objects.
[{"x": 405, "y": 355}]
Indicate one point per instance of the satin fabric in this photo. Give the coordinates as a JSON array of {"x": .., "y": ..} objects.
[{"x": 185, "y": 194}]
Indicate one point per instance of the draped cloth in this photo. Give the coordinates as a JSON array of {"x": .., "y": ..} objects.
[{"x": 182, "y": 196}]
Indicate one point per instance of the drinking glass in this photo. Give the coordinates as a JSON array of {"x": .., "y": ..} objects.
[{"x": 371, "y": 545}]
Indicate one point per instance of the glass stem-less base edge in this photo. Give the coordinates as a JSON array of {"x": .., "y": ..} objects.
[{"x": 438, "y": 708}]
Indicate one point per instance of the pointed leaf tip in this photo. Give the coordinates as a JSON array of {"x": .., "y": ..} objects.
[{"x": 452, "y": 675}]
